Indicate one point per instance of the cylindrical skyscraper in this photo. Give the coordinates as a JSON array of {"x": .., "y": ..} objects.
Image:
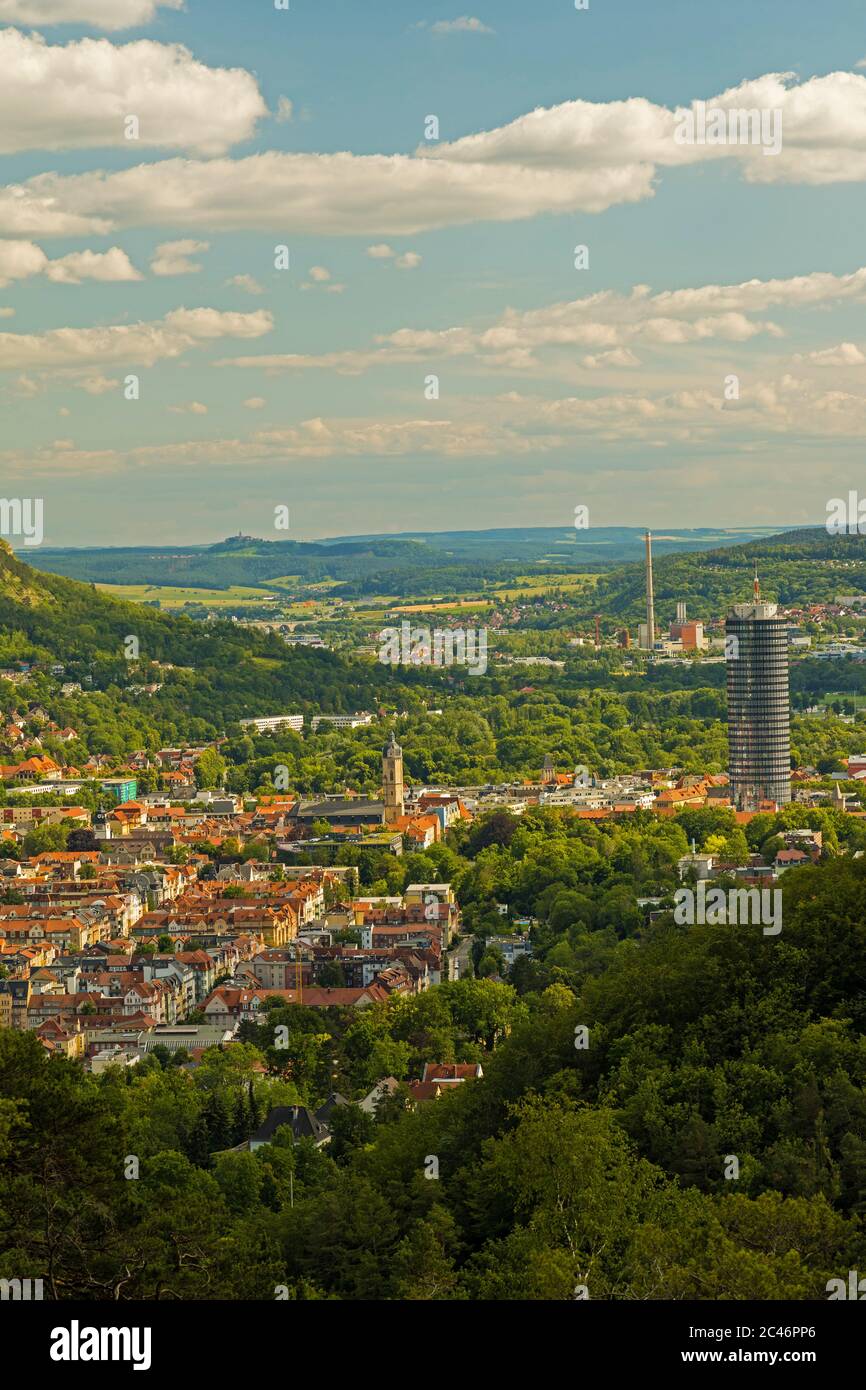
[{"x": 759, "y": 740}]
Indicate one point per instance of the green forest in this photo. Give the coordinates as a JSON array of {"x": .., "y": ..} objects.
[{"x": 665, "y": 1112}]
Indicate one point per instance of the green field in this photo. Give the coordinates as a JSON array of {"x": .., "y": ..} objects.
[
  {"x": 843, "y": 697},
  {"x": 530, "y": 586},
  {"x": 169, "y": 596}
]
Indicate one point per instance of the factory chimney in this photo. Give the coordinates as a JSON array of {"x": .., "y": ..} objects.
[{"x": 650, "y": 606}]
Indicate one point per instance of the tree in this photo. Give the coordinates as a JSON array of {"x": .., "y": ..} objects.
[{"x": 210, "y": 770}]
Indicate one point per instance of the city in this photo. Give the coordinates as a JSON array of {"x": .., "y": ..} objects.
[{"x": 432, "y": 675}]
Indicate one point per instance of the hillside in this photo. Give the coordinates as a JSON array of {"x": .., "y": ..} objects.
[
  {"x": 223, "y": 671},
  {"x": 798, "y": 567},
  {"x": 419, "y": 562}
]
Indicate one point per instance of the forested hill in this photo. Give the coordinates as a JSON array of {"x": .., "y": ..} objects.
[
  {"x": 222, "y": 671},
  {"x": 422, "y": 562},
  {"x": 799, "y": 567}
]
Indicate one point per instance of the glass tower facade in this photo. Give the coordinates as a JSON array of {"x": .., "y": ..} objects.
[{"x": 759, "y": 737}]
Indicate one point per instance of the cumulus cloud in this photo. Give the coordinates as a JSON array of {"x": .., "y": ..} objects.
[
  {"x": 467, "y": 24},
  {"x": 97, "y": 385},
  {"x": 138, "y": 344},
  {"x": 607, "y": 323},
  {"x": 576, "y": 156},
  {"x": 79, "y": 95},
  {"x": 330, "y": 194},
  {"x": 189, "y": 408},
  {"x": 511, "y": 425},
  {"x": 101, "y": 14},
  {"x": 408, "y": 260},
  {"x": 617, "y": 357},
  {"x": 19, "y": 260},
  {"x": 113, "y": 265},
  {"x": 174, "y": 257},
  {"x": 285, "y": 110},
  {"x": 255, "y": 402},
  {"x": 823, "y": 127},
  {"x": 248, "y": 283},
  {"x": 320, "y": 278},
  {"x": 844, "y": 355}
]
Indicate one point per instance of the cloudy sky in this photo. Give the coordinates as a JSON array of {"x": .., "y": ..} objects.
[{"x": 162, "y": 160}]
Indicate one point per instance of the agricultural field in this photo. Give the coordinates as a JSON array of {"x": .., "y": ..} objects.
[
  {"x": 532, "y": 585},
  {"x": 171, "y": 597}
]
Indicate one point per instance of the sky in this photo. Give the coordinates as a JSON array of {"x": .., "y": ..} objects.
[{"x": 325, "y": 258}]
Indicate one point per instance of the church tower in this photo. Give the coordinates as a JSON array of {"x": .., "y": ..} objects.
[{"x": 392, "y": 780}]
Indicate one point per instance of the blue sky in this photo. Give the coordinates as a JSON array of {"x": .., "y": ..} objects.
[{"x": 306, "y": 387}]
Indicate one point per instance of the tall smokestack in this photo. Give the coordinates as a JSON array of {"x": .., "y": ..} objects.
[{"x": 650, "y": 606}]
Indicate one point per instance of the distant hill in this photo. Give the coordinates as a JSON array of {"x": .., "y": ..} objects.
[
  {"x": 795, "y": 568},
  {"x": 417, "y": 562}
]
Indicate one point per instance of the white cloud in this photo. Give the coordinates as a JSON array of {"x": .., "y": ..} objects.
[
  {"x": 138, "y": 344},
  {"x": 602, "y": 323},
  {"x": 823, "y": 125},
  {"x": 845, "y": 355},
  {"x": 97, "y": 385},
  {"x": 576, "y": 156},
  {"x": 617, "y": 357},
  {"x": 19, "y": 260},
  {"x": 511, "y": 425},
  {"x": 113, "y": 265},
  {"x": 174, "y": 257},
  {"x": 247, "y": 283},
  {"x": 190, "y": 408},
  {"x": 285, "y": 110},
  {"x": 320, "y": 278},
  {"x": 76, "y": 379},
  {"x": 101, "y": 14},
  {"x": 331, "y": 194},
  {"x": 383, "y": 252},
  {"x": 255, "y": 402},
  {"x": 79, "y": 95},
  {"x": 467, "y": 24}
]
